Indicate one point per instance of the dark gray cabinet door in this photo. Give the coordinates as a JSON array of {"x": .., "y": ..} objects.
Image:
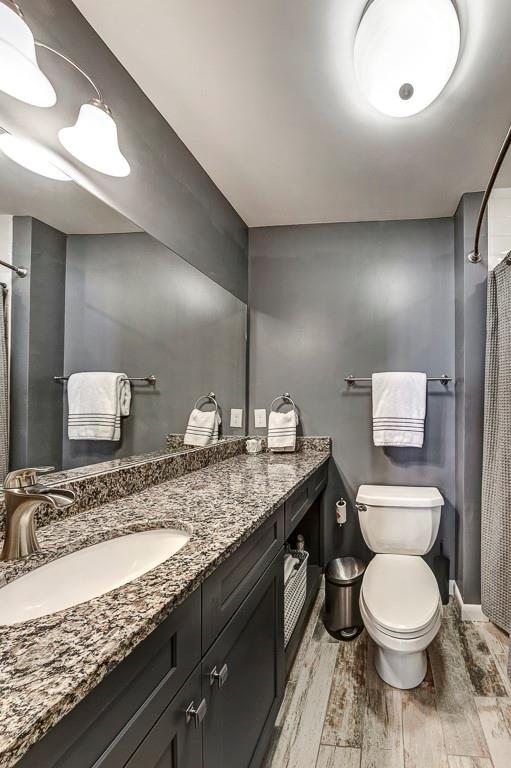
[
  {"x": 106, "y": 727},
  {"x": 175, "y": 741},
  {"x": 229, "y": 585},
  {"x": 244, "y": 695}
]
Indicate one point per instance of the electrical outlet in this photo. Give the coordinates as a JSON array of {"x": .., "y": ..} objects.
[
  {"x": 236, "y": 417},
  {"x": 260, "y": 417}
]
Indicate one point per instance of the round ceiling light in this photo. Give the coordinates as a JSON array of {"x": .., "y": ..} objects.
[{"x": 406, "y": 52}]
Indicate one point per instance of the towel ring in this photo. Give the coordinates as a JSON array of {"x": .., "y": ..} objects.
[
  {"x": 210, "y": 398},
  {"x": 286, "y": 398}
]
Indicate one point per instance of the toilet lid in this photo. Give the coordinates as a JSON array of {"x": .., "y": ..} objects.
[{"x": 400, "y": 592}]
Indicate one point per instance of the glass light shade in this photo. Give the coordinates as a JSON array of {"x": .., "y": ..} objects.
[
  {"x": 20, "y": 75},
  {"x": 93, "y": 141},
  {"x": 406, "y": 52},
  {"x": 30, "y": 156}
]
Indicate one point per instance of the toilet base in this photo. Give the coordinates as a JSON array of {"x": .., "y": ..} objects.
[{"x": 401, "y": 670}]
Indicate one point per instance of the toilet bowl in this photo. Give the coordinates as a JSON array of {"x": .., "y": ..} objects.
[
  {"x": 400, "y": 601},
  {"x": 401, "y": 610}
]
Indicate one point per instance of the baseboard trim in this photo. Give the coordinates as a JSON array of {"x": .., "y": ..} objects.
[{"x": 467, "y": 611}]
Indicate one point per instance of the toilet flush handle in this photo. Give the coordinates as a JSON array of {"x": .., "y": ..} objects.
[{"x": 361, "y": 507}]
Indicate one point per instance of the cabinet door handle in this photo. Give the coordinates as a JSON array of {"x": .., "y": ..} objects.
[
  {"x": 219, "y": 677},
  {"x": 197, "y": 715}
]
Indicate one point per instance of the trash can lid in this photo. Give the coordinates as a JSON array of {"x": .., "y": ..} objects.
[{"x": 344, "y": 570}]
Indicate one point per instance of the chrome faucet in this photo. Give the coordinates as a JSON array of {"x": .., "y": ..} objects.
[{"x": 23, "y": 495}]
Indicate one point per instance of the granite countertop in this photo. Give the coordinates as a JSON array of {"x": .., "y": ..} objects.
[{"x": 49, "y": 664}]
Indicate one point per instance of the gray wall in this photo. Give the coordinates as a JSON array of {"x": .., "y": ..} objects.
[
  {"x": 132, "y": 305},
  {"x": 470, "y": 312},
  {"x": 37, "y": 344},
  {"x": 329, "y": 300},
  {"x": 168, "y": 193}
]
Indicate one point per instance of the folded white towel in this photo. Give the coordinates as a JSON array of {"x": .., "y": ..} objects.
[
  {"x": 399, "y": 408},
  {"x": 97, "y": 400},
  {"x": 282, "y": 431},
  {"x": 202, "y": 428}
]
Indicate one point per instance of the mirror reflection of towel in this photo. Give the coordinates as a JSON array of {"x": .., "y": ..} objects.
[
  {"x": 282, "y": 431},
  {"x": 202, "y": 428},
  {"x": 97, "y": 400}
]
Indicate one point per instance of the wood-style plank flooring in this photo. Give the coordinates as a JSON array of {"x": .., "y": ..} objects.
[{"x": 337, "y": 712}]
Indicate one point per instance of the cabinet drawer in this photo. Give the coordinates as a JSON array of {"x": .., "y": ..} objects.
[
  {"x": 298, "y": 504},
  {"x": 105, "y": 728},
  {"x": 318, "y": 481},
  {"x": 228, "y": 586},
  {"x": 248, "y": 660},
  {"x": 296, "y": 507}
]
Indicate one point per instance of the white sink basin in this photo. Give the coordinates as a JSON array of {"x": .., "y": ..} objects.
[{"x": 87, "y": 573}]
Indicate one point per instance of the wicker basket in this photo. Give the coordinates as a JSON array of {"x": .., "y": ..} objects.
[{"x": 295, "y": 592}]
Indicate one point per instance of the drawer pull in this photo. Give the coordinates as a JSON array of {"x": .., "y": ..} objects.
[
  {"x": 219, "y": 677},
  {"x": 197, "y": 715}
]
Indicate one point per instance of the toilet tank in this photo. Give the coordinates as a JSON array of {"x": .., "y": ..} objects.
[{"x": 399, "y": 519}]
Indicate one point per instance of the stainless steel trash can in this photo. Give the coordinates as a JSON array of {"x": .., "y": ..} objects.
[{"x": 343, "y": 579}]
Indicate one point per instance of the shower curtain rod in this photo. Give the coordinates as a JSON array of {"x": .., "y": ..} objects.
[
  {"x": 20, "y": 271},
  {"x": 475, "y": 256}
]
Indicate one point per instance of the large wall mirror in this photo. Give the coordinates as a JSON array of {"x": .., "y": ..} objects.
[{"x": 101, "y": 295}]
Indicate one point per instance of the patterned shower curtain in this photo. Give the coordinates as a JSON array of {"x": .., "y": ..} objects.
[
  {"x": 4, "y": 386},
  {"x": 496, "y": 491}
]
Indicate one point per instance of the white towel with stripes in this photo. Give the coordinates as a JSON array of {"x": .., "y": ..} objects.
[
  {"x": 97, "y": 400},
  {"x": 282, "y": 431},
  {"x": 202, "y": 428},
  {"x": 399, "y": 408}
]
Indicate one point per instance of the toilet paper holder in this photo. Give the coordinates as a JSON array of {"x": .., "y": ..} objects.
[{"x": 340, "y": 511}]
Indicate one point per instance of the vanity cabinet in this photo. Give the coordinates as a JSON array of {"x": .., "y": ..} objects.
[
  {"x": 204, "y": 688},
  {"x": 232, "y": 698},
  {"x": 107, "y": 726},
  {"x": 243, "y": 677},
  {"x": 222, "y": 715}
]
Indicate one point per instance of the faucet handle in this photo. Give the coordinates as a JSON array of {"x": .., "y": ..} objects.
[{"x": 24, "y": 478}]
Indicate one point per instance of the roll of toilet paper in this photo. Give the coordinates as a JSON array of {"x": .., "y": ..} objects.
[{"x": 340, "y": 511}]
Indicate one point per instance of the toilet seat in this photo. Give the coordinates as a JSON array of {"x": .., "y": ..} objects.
[
  {"x": 401, "y": 596},
  {"x": 396, "y": 634}
]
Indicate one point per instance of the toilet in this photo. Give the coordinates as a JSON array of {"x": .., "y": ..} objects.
[{"x": 400, "y": 601}]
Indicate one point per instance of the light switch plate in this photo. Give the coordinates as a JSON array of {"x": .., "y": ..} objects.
[
  {"x": 236, "y": 417},
  {"x": 260, "y": 417}
]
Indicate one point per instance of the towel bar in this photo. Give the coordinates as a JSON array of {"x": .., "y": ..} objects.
[
  {"x": 149, "y": 379},
  {"x": 444, "y": 379}
]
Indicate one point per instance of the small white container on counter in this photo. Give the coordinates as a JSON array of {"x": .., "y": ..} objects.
[{"x": 254, "y": 445}]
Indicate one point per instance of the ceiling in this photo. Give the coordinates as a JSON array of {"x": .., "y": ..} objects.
[
  {"x": 263, "y": 94},
  {"x": 61, "y": 204}
]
